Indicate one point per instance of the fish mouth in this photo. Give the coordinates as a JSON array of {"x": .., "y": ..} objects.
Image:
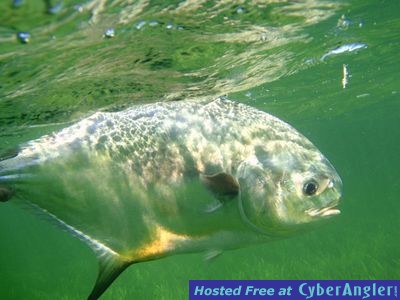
[{"x": 323, "y": 212}]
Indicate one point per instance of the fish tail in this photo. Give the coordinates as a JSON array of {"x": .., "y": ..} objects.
[{"x": 110, "y": 267}]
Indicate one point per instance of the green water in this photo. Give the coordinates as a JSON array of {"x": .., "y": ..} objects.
[{"x": 266, "y": 54}]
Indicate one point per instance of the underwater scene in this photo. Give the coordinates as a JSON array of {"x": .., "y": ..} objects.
[{"x": 328, "y": 68}]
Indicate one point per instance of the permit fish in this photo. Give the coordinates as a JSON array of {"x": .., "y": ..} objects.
[
  {"x": 344, "y": 48},
  {"x": 173, "y": 177}
]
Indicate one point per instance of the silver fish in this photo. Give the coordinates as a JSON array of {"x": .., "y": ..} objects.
[
  {"x": 344, "y": 48},
  {"x": 169, "y": 178}
]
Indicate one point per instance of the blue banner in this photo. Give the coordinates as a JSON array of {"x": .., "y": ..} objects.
[{"x": 293, "y": 289}]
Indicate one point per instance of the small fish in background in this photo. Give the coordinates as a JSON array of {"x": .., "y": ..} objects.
[
  {"x": 343, "y": 49},
  {"x": 170, "y": 178}
]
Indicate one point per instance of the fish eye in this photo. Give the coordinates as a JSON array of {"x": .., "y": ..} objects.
[{"x": 310, "y": 188}]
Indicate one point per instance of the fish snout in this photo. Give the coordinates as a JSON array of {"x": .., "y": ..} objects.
[
  {"x": 5, "y": 193},
  {"x": 331, "y": 209}
]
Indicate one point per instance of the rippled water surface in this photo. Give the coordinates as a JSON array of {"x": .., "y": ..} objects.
[{"x": 263, "y": 53}]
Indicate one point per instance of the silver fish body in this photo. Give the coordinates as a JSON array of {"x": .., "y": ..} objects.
[
  {"x": 177, "y": 177},
  {"x": 343, "y": 49}
]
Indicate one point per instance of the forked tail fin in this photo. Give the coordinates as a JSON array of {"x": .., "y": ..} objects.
[{"x": 110, "y": 267}]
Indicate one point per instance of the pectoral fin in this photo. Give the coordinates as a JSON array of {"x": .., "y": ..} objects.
[{"x": 221, "y": 184}]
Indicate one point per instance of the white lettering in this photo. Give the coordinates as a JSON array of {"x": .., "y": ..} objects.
[{"x": 199, "y": 290}]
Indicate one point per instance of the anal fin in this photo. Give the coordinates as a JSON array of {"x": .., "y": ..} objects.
[{"x": 111, "y": 265}]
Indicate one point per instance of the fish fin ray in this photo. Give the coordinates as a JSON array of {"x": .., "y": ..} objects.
[
  {"x": 221, "y": 184},
  {"x": 98, "y": 248},
  {"x": 111, "y": 264},
  {"x": 110, "y": 267},
  {"x": 212, "y": 254}
]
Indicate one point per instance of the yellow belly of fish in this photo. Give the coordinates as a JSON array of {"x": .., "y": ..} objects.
[{"x": 164, "y": 242}]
